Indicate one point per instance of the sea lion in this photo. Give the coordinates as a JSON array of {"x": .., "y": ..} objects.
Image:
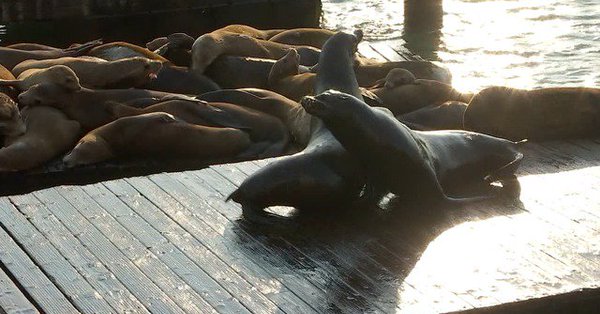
[
  {"x": 293, "y": 116},
  {"x": 6, "y": 75},
  {"x": 121, "y": 50},
  {"x": 180, "y": 80},
  {"x": 396, "y": 77},
  {"x": 48, "y": 134},
  {"x": 323, "y": 175},
  {"x": 413, "y": 165},
  {"x": 250, "y": 31},
  {"x": 158, "y": 135},
  {"x": 9, "y": 57},
  {"x": 285, "y": 78},
  {"x": 369, "y": 72},
  {"x": 409, "y": 97},
  {"x": 176, "y": 47},
  {"x": 539, "y": 114},
  {"x": 212, "y": 45},
  {"x": 11, "y": 123},
  {"x": 98, "y": 73},
  {"x": 314, "y": 37},
  {"x": 264, "y": 130},
  {"x": 58, "y": 74},
  {"x": 31, "y": 46},
  {"x": 87, "y": 106},
  {"x": 447, "y": 116}
]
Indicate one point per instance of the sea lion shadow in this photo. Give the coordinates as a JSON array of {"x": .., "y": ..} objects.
[{"x": 363, "y": 255}]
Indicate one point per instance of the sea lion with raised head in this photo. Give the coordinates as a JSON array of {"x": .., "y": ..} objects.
[
  {"x": 48, "y": 134},
  {"x": 413, "y": 165},
  {"x": 264, "y": 130},
  {"x": 212, "y": 45},
  {"x": 538, "y": 114},
  {"x": 9, "y": 57},
  {"x": 158, "y": 135},
  {"x": 58, "y": 74},
  {"x": 87, "y": 106},
  {"x": 99, "y": 73},
  {"x": 314, "y": 37},
  {"x": 323, "y": 175}
]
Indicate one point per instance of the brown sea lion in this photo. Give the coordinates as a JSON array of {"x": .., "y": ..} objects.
[
  {"x": 285, "y": 78},
  {"x": 447, "y": 116},
  {"x": 58, "y": 74},
  {"x": 314, "y": 37},
  {"x": 323, "y": 175},
  {"x": 264, "y": 130},
  {"x": 120, "y": 50},
  {"x": 158, "y": 135},
  {"x": 31, "y": 46},
  {"x": 99, "y": 73},
  {"x": 369, "y": 72},
  {"x": 87, "y": 106},
  {"x": 48, "y": 134},
  {"x": 212, "y": 45},
  {"x": 409, "y": 97},
  {"x": 11, "y": 123},
  {"x": 396, "y": 77},
  {"x": 538, "y": 114},
  {"x": 413, "y": 165},
  {"x": 293, "y": 116},
  {"x": 6, "y": 75},
  {"x": 9, "y": 57},
  {"x": 250, "y": 31}
]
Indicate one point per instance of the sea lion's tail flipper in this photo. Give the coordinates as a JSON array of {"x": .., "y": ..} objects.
[{"x": 84, "y": 48}]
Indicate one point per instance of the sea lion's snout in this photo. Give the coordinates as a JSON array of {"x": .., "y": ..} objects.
[{"x": 309, "y": 103}]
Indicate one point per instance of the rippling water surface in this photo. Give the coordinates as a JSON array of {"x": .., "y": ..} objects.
[{"x": 519, "y": 43}]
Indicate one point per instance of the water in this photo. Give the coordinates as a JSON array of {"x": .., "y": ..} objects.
[{"x": 518, "y": 43}]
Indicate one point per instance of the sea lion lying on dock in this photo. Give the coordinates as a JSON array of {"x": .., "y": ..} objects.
[
  {"x": 264, "y": 130},
  {"x": 10, "y": 57},
  {"x": 323, "y": 175},
  {"x": 539, "y": 114},
  {"x": 48, "y": 134},
  {"x": 99, "y": 73},
  {"x": 58, "y": 74},
  {"x": 286, "y": 79},
  {"x": 87, "y": 106},
  {"x": 250, "y": 31},
  {"x": 286, "y": 110},
  {"x": 11, "y": 123},
  {"x": 413, "y": 165},
  {"x": 314, "y": 37},
  {"x": 121, "y": 50},
  {"x": 369, "y": 72},
  {"x": 447, "y": 116},
  {"x": 212, "y": 45},
  {"x": 158, "y": 135}
]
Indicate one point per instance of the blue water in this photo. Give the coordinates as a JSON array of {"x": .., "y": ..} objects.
[{"x": 519, "y": 43}]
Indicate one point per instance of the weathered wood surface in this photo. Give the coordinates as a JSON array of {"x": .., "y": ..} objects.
[{"x": 169, "y": 243}]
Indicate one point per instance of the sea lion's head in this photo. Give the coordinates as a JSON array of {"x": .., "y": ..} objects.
[
  {"x": 89, "y": 150},
  {"x": 204, "y": 51},
  {"x": 45, "y": 94},
  {"x": 137, "y": 71},
  {"x": 330, "y": 105},
  {"x": 288, "y": 65},
  {"x": 58, "y": 74},
  {"x": 11, "y": 123},
  {"x": 398, "y": 77},
  {"x": 346, "y": 41}
]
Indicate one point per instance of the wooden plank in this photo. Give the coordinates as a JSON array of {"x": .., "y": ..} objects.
[
  {"x": 200, "y": 238},
  {"x": 12, "y": 300},
  {"x": 128, "y": 272},
  {"x": 35, "y": 283},
  {"x": 105, "y": 286},
  {"x": 172, "y": 250},
  {"x": 204, "y": 227}
]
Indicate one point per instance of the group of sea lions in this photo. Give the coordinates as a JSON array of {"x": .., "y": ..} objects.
[{"x": 349, "y": 128}]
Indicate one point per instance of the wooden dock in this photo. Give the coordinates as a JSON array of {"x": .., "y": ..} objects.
[{"x": 168, "y": 243}]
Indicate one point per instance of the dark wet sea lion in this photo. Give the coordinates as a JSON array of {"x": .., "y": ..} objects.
[
  {"x": 99, "y": 73},
  {"x": 212, "y": 45},
  {"x": 413, "y": 165},
  {"x": 285, "y": 78},
  {"x": 58, "y": 74},
  {"x": 158, "y": 135},
  {"x": 176, "y": 48},
  {"x": 323, "y": 175},
  {"x": 10, "y": 57},
  {"x": 368, "y": 72},
  {"x": 288, "y": 111},
  {"x": 314, "y": 37},
  {"x": 447, "y": 116},
  {"x": 264, "y": 129},
  {"x": 180, "y": 80},
  {"x": 539, "y": 114},
  {"x": 48, "y": 134},
  {"x": 87, "y": 106}
]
